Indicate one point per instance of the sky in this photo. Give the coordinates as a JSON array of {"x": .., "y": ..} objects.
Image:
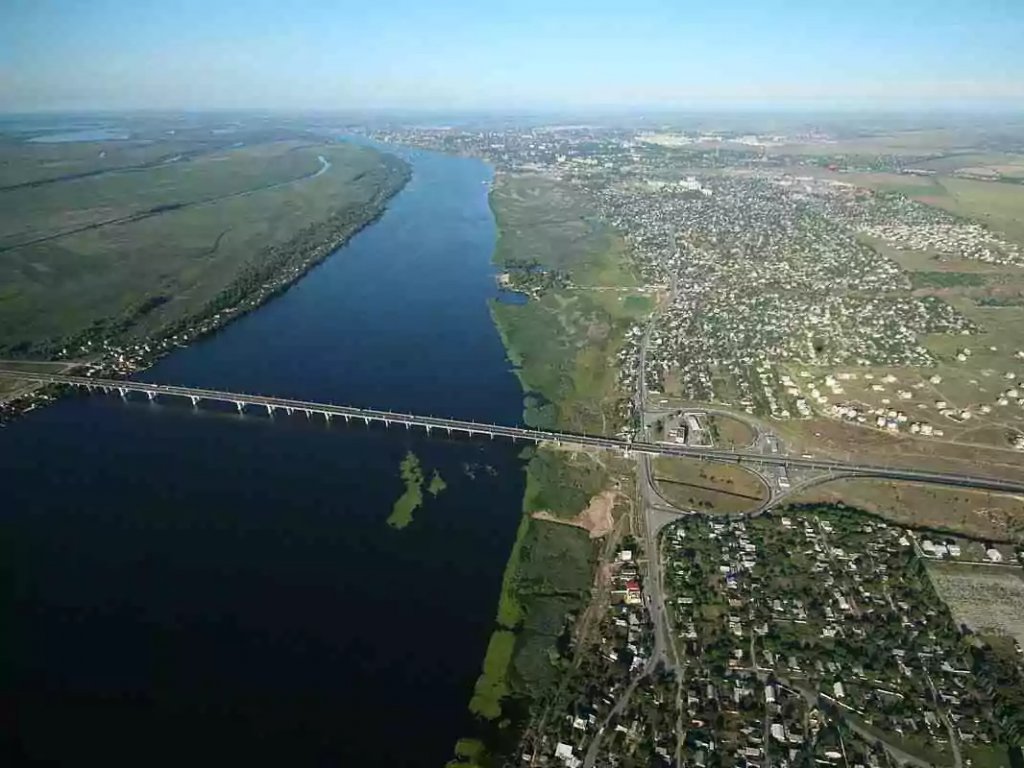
[{"x": 509, "y": 54}]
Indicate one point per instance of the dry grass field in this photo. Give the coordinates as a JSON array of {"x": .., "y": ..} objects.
[
  {"x": 988, "y": 599},
  {"x": 707, "y": 486},
  {"x": 978, "y": 514}
]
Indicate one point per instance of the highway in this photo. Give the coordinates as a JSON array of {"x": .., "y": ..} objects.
[{"x": 641, "y": 448}]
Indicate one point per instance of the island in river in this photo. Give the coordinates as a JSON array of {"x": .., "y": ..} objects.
[{"x": 412, "y": 498}]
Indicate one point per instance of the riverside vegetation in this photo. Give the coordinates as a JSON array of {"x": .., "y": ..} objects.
[
  {"x": 561, "y": 342},
  {"x": 151, "y": 237},
  {"x": 412, "y": 498}
]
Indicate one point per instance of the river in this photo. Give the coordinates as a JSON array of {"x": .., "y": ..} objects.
[{"x": 191, "y": 587}]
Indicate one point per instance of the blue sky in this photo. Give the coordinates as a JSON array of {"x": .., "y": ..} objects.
[{"x": 514, "y": 54}]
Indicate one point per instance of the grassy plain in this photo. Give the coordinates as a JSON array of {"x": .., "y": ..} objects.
[
  {"x": 729, "y": 432},
  {"x": 706, "y": 486},
  {"x": 988, "y": 599},
  {"x": 914, "y": 142},
  {"x": 1006, "y": 164},
  {"x": 563, "y": 343},
  {"x": 547, "y": 577},
  {"x": 980, "y": 514},
  {"x": 181, "y": 233},
  {"x": 997, "y": 205},
  {"x": 24, "y": 163}
]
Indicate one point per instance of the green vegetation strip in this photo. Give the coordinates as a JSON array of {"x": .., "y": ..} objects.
[
  {"x": 492, "y": 685},
  {"x": 553, "y": 248},
  {"x": 946, "y": 279},
  {"x": 410, "y": 501}
]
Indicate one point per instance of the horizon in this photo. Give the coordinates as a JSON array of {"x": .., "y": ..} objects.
[{"x": 116, "y": 56}]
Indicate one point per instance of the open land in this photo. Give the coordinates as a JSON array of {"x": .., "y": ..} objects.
[
  {"x": 707, "y": 486},
  {"x": 832, "y": 290},
  {"x": 116, "y": 244},
  {"x": 552, "y": 247},
  {"x": 988, "y": 600},
  {"x": 994, "y": 516}
]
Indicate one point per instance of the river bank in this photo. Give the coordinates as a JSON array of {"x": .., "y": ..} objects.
[
  {"x": 202, "y": 581},
  {"x": 111, "y": 351},
  {"x": 561, "y": 343}
]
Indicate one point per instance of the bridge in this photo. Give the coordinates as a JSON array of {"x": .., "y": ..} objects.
[{"x": 329, "y": 411}]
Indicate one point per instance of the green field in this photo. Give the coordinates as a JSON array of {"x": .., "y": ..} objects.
[
  {"x": 564, "y": 341},
  {"x": 126, "y": 255},
  {"x": 997, "y": 205},
  {"x": 706, "y": 486},
  {"x": 547, "y": 577},
  {"x": 945, "y": 279}
]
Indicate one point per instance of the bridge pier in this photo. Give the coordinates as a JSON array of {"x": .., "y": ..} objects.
[
  {"x": 309, "y": 413},
  {"x": 366, "y": 420},
  {"x": 289, "y": 411},
  {"x": 240, "y": 406},
  {"x": 151, "y": 396},
  {"x": 270, "y": 409},
  {"x": 347, "y": 417},
  {"x": 427, "y": 427},
  {"x": 195, "y": 401},
  {"x": 124, "y": 393},
  {"x": 327, "y": 416}
]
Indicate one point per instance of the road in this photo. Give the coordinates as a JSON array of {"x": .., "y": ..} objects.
[{"x": 643, "y": 448}]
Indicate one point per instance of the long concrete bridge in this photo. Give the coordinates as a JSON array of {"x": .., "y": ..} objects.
[{"x": 330, "y": 411}]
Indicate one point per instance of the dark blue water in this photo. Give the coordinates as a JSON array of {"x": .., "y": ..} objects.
[{"x": 195, "y": 588}]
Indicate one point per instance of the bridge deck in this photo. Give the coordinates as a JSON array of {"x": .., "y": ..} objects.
[{"x": 330, "y": 410}]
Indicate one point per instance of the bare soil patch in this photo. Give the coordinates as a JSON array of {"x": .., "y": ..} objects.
[{"x": 597, "y": 519}]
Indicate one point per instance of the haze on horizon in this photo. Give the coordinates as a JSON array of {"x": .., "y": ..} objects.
[{"x": 462, "y": 54}]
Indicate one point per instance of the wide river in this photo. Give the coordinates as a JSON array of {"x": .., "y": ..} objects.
[{"x": 198, "y": 587}]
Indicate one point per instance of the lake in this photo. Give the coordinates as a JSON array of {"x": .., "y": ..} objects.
[{"x": 188, "y": 586}]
